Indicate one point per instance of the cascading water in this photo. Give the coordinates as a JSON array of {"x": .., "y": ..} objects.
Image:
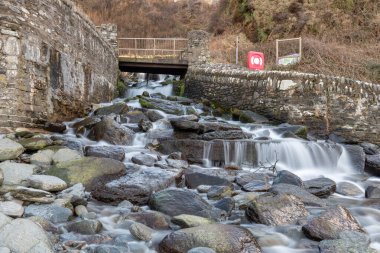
[{"x": 151, "y": 86}]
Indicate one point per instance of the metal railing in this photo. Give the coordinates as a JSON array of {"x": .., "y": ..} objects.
[{"x": 152, "y": 48}]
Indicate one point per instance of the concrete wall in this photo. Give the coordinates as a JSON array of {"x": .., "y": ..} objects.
[
  {"x": 53, "y": 63},
  {"x": 346, "y": 107}
]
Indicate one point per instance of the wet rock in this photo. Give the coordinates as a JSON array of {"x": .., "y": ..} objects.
[
  {"x": 141, "y": 231},
  {"x": 80, "y": 210},
  {"x": 175, "y": 202},
  {"x": 110, "y": 131},
  {"x": 348, "y": 189},
  {"x": 203, "y": 188},
  {"x": 154, "y": 115},
  {"x": 372, "y": 164},
  {"x": 24, "y": 236},
  {"x": 307, "y": 198},
  {"x": 145, "y": 125},
  {"x": 10, "y": 149},
  {"x": 192, "y": 150},
  {"x": 36, "y": 143},
  {"x": 320, "y": 187},
  {"x": 298, "y": 130},
  {"x": 163, "y": 105},
  {"x": 55, "y": 127},
  {"x": 247, "y": 177},
  {"x": 11, "y": 208},
  {"x": 177, "y": 164},
  {"x": 370, "y": 149},
  {"x": 372, "y": 192},
  {"x": 256, "y": 186},
  {"x": 243, "y": 199},
  {"x": 119, "y": 108},
  {"x": 47, "y": 183},
  {"x": 226, "y": 204},
  {"x": 152, "y": 219},
  {"x": 86, "y": 227},
  {"x": 86, "y": 169},
  {"x": 201, "y": 250},
  {"x": 136, "y": 186},
  {"x": 51, "y": 212},
  {"x": 225, "y": 135},
  {"x": 220, "y": 238},
  {"x": 251, "y": 117},
  {"x": 281, "y": 209},
  {"x": 68, "y": 142},
  {"x": 144, "y": 159},
  {"x": 42, "y": 158},
  {"x": 348, "y": 241},
  {"x": 357, "y": 157},
  {"x": 32, "y": 195},
  {"x": 287, "y": 177},
  {"x": 196, "y": 176},
  {"x": 218, "y": 192},
  {"x": 1, "y": 177},
  {"x": 175, "y": 156},
  {"x": 330, "y": 224},
  {"x": 208, "y": 127},
  {"x": 88, "y": 122},
  {"x": 189, "y": 221},
  {"x": 116, "y": 153},
  {"x": 66, "y": 155},
  {"x": 75, "y": 195},
  {"x": 185, "y": 125},
  {"x": 45, "y": 224},
  {"x": 16, "y": 173}
]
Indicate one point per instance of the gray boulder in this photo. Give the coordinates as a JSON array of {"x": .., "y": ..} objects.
[
  {"x": 320, "y": 187},
  {"x": 11, "y": 208},
  {"x": 66, "y": 155},
  {"x": 116, "y": 153},
  {"x": 348, "y": 189},
  {"x": 348, "y": 241},
  {"x": 86, "y": 227},
  {"x": 75, "y": 195},
  {"x": 42, "y": 158},
  {"x": 51, "y": 212},
  {"x": 47, "y": 183},
  {"x": 10, "y": 149},
  {"x": 119, "y": 108},
  {"x": 36, "y": 143},
  {"x": 372, "y": 192},
  {"x": 372, "y": 164},
  {"x": 141, "y": 231},
  {"x": 144, "y": 159},
  {"x": 287, "y": 177},
  {"x": 16, "y": 173},
  {"x": 32, "y": 195},
  {"x": 357, "y": 156}
]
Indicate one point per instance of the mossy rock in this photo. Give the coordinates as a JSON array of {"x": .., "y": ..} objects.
[
  {"x": 146, "y": 104},
  {"x": 235, "y": 114},
  {"x": 302, "y": 133},
  {"x": 36, "y": 143},
  {"x": 118, "y": 108},
  {"x": 86, "y": 169},
  {"x": 244, "y": 118}
]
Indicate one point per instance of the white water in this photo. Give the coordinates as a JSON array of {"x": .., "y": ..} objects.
[{"x": 150, "y": 86}]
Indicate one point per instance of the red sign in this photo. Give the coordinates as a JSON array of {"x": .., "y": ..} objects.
[{"x": 256, "y": 60}]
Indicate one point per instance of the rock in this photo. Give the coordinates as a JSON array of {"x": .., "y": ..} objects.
[
  {"x": 10, "y": 149},
  {"x": 136, "y": 186},
  {"x": 218, "y": 192},
  {"x": 185, "y": 125},
  {"x": 189, "y": 221},
  {"x": 370, "y": 149},
  {"x": 256, "y": 186},
  {"x": 88, "y": 122},
  {"x": 220, "y": 238},
  {"x": 16, "y": 173},
  {"x": 201, "y": 250},
  {"x": 32, "y": 195},
  {"x": 86, "y": 227},
  {"x": 357, "y": 157},
  {"x": 372, "y": 192},
  {"x": 5, "y": 250},
  {"x": 177, "y": 164},
  {"x": 330, "y": 224},
  {"x": 208, "y": 127},
  {"x": 144, "y": 159},
  {"x": 86, "y": 169},
  {"x": 24, "y": 236},
  {"x": 154, "y": 115},
  {"x": 175, "y": 202},
  {"x": 145, "y": 125},
  {"x": 141, "y": 232},
  {"x": 110, "y": 131},
  {"x": 274, "y": 210},
  {"x": 45, "y": 224},
  {"x": 175, "y": 156},
  {"x": 66, "y": 142},
  {"x": 47, "y": 183},
  {"x": 320, "y": 187},
  {"x": 75, "y": 195},
  {"x": 349, "y": 241},
  {"x": 116, "y": 153},
  {"x": 152, "y": 219},
  {"x": 36, "y": 143},
  {"x": 226, "y": 204},
  {"x": 42, "y": 158},
  {"x": 348, "y": 189},
  {"x": 372, "y": 164},
  {"x": 51, "y": 212},
  {"x": 1, "y": 177},
  {"x": 11, "y": 208},
  {"x": 247, "y": 177},
  {"x": 286, "y": 177},
  {"x": 119, "y": 108},
  {"x": 192, "y": 150},
  {"x": 225, "y": 135},
  {"x": 66, "y": 155},
  {"x": 196, "y": 176},
  {"x": 80, "y": 210},
  {"x": 251, "y": 117},
  {"x": 243, "y": 199},
  {"x": 55, "y": 127},
  {"x": 166, "y": 106},
  {"x": 307, "y": 198},
  {"x": 300, "y": 131},
  {"x": 107, "y": 249}
]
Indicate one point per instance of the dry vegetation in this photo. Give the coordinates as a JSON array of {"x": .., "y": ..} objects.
[{"x": 341, "y": 37}]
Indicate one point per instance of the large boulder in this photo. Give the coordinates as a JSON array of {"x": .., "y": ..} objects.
[
  {"x": 152, "y": 219},
  {"x": 281, "y": 209},
  {"x": 197, "y": 177},
  {"x": 36, "y": 143},
  {"x": 357, "y": 157},
  {"x": 66, "y": 155},
  {"x": 372, "y": 192},
  {"x": 51, "y": 212},
  {"x": 10, "y": 149},
  {"x": 110, "y": 131},
  {"x": 320, "y": 187},
  {"x": 25, "y": 236},
  {"x": 136, "y": 186},
  {"x": 144, "y": 159},
  {"x": 166, "y": 106},
  {"x": 86, "y": 227},
  {"x": 225, "y": 135},
  {"x": 221, "y": 238},
  {"x": 116, "y": 153},
  {"x": 370, "y": 149},
  {"x": 86, "y": 169},
  {"x": 372, "y": 164},
  {"x": 348, "y": 241},
  {"x": 42, "y": 158},
  {"x": 330, "y": 224},
  {"x": 16, "y": 173},
  {"x": 119, "y": 108},
  {"x": 175, "y": 202},
  {"x": 287, "y": 177},
  {"x": 47, "y": 183},
  {"x": 189, "y": 221}
]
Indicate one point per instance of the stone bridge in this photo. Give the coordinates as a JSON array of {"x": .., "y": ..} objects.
[{"x": 54, "y": 63}]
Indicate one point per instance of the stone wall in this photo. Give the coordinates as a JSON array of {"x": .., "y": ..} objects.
[
  {"x": 348, "y": 108},
  {"x": 54, "y": 63},
  {"x": 198, "y": 45}
]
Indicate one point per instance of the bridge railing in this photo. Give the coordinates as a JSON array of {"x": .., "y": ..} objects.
[{"x": 152, "y": 48}]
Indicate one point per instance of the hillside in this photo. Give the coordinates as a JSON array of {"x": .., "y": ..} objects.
[{"x": 341, "y": 37}]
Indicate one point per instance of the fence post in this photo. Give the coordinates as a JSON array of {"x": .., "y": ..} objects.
[
  {"x": 276, "y": 52},
  {"x": 135, "y": 48},
  {"x": 237, "y": 50},
  {"x": 300, "y": 48},
  {"x": 154, "y": 47}
]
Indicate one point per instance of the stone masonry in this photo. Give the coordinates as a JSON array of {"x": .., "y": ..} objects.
[
  {"x": 54, "y": 63},
  {"x": 346, "y": 107}
]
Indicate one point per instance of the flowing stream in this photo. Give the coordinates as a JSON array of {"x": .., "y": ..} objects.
[{"x": 307, "y": 159}]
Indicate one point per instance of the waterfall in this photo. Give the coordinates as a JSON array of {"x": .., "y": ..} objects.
[
  {"x": 207, "y": 162},
  {"x": 235, "y": 152}
]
